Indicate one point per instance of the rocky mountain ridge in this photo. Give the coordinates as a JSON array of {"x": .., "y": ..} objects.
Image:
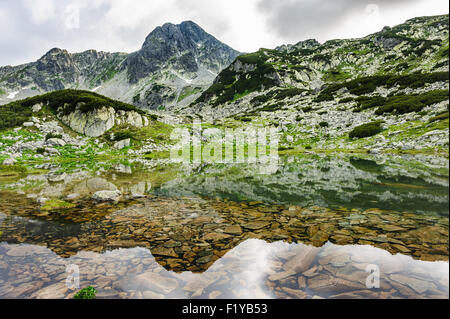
[
  {"x": 386, "y": 91},
  {"x": 418, "y": 45},
  {"x": 174, "y": 63}
]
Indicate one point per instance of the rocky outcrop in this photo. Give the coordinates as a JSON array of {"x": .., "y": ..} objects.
[{"x": 97, "y": 122}]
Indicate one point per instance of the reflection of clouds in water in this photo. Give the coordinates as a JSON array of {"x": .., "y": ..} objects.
[
  {"x": 254, "y": 263},
  {"x": 241, "y": 273}
]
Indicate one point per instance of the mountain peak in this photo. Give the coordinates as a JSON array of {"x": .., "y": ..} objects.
[
  {"x": 55, "y": 51},
  {"x": 186, "y": 43}
]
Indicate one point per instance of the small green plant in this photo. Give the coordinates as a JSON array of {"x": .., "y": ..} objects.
[
  {"x": 123, "y": 135},
  {"x": 56, "y": 204},
  {"x": 439, "y": 117},
  {"x": 366, "y": 130},
  {"x": 346, "y": 100},
  {"x": 86, "y": 293},
  {"x": 52, "y": 135}
]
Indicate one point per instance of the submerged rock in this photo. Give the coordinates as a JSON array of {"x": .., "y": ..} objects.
[{"x": 9, "y": 161}]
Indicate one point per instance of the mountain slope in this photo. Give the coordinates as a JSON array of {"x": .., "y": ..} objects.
[
  {"x": 388, "y": 90},
  {"x": 175, "y": 62},
  {"x": 420, "y": 44}
]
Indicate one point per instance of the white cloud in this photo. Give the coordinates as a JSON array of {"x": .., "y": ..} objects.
[
  {"x": 35, "y": 26},
  {"x": 40, "y": 10}
]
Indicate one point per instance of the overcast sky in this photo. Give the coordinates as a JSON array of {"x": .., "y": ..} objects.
[{"x": 32, "y": 27}]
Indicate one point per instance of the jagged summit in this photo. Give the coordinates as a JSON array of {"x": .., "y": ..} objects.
[
  {"x": 306, "y": 44},
  {"x": 55, "y": 51},
  {"x": 186, "y": 43}
]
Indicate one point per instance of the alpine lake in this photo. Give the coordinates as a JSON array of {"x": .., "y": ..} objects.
[{"x": 320, "y": 226}]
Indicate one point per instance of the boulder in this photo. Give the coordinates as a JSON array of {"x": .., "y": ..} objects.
[
  {"x": 55, "y": 142},
  {"x": 122, "y": 144},
  {"x": 37, "y": 107},
  {"x": 93, "y": 123},
  {"x": 135, "y": 119},
  {"x": 9, "y": 161},
  {"x": 107, "y": 196},
  {"x": 55, "y": 177}
]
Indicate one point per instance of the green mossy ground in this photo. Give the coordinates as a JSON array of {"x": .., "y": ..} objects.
[{"x": 56, "y": 204}]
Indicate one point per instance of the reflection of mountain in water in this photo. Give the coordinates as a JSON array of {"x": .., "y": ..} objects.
[
  {"x": 397, "y": 183},
  {"x": 253, "y": 269}
]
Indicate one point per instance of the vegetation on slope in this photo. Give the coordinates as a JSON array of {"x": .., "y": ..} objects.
[
  {"x": 366, "y": 130},
  {"x": 17, "y": 112},
  {"x": 368, "y": 84},
  {"x": 231, "y": 85},
  {"x": 402, "y": 103}
]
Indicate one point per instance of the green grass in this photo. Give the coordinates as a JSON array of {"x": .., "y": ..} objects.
[
  {"x": 16, "y": 113},
  {"x": 402, "y": 104},
  {"x": 12, "y": 170},
  {"x": 366, "y": 85},
  {"x": 56, "y": 204},
  {"x": 232, "y": 85},
  {"x": 188, "y": 91},
  {"x": 439, "y": 117},
  {"x": 155, "y": 131},
  {"x": 336, "y": 76}
]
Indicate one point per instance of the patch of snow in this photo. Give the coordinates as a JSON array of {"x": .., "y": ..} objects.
[
  {"x": 12, "y": 95},
  {"x": 95, "y": 89}
]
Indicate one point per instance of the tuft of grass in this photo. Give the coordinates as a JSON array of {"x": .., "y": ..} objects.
[
  {"x": 368, "y": 84},
  {"x": 367, "y": 130},
  {"x": 439, "y": 117},
  {"x": 52, "y": 135},
  {"x": 86, "y": 293},
  {"x": 12, "y": 170},
  {"x": 402, "y": 104}
]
